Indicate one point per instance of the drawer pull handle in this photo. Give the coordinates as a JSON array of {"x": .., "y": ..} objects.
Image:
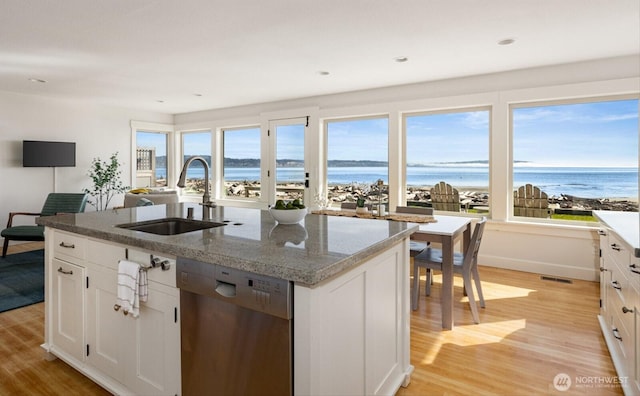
[
  {"x": 60, "y": 270},
  {"x": 116, "y": 307},
  {"x": 634, "y": 269},
  {"x": 602, "y": 232},
  {"x": 602, "y": 269},
  {"x": 626, "y": 310},
  {"x": 64, "y": 245},
  {"x": 616, "y": 247},
  {"x": 616, "y": 285},
  {"x": 616, "y": 334}
]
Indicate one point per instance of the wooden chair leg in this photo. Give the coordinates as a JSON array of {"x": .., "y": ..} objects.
[
  {"x": 476, "y": 279},
  {"x": 472, "y": 300},
  {"x": 5, "y": 247},
  {"x": 427, "y": 286},
  {"x": 416, "y": 287}
]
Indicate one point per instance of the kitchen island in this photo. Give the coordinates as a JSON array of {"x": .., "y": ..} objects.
[{"x": 350, "y": 282}]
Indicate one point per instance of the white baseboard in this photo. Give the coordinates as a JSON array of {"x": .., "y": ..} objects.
[{"x": 543, "y": 268}]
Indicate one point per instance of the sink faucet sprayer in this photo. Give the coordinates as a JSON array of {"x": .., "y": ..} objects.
[{"x": 206, "y": 199}]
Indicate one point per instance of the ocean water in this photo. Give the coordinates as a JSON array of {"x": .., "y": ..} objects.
[{"x": 586, "y": 182}]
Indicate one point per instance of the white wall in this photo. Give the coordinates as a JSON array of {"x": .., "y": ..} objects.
[
  {"x": 559, "y": 250},
  {"x": 98, "y": 131}
]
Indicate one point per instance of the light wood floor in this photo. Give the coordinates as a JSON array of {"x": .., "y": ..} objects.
[{"x": 530, "y": 331}]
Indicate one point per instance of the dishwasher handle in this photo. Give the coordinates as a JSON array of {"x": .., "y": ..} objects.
[{"x": 225, "y": 289}]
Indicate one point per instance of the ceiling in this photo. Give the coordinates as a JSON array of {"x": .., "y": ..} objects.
[{"x": 187, "y": 55}]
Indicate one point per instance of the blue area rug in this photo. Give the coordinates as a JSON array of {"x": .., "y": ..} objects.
[{"x": 21, "y": 279}]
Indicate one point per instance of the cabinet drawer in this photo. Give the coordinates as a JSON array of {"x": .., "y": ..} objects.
[
  {"x": 618, "y": 251},
  {"x": 623, "y": 318},
  {"x": 68, "y": 245},
  {"x": 624, "y": 345},
  {"x": 634, "y": 273},
  {"x": 105, "y": 254},
  {"x": 619, "y": 283}
]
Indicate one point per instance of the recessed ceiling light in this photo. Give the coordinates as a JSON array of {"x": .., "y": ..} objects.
[
  {"x": 323, "y": 73},
  {"x": 160, "y": 101},
  {"x": 197, "y": 94},
  {"x": 508, "y": 41},
  {"x": 37, "y": 80},
  {"x": 401, "y": 59}
]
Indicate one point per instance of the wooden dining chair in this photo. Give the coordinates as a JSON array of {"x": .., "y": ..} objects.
[
  {"x": 465, "y": 264},
  {"x": 415, "y": 247},
  {"x": 352, "y": 205}
]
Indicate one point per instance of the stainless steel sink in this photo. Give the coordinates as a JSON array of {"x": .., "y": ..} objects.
[{"x": 170, "y": 226}]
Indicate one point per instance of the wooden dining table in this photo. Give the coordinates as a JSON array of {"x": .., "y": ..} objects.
[{"x": 446, "y": 230}]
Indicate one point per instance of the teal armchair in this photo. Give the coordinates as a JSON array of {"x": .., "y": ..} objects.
[{"x": 56, "y": 203}]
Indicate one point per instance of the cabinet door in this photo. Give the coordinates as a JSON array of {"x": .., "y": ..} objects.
[
  {"x": 605, "y": 276},
  {"x": 635, "y": 365},
  {"x": 108, "y": 334},
  {"x": 156, "y": 355},
  {"x": 67, "y": 307}
]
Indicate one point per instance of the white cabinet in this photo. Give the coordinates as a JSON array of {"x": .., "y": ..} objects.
[
  {"x": 64, "y": 326},
  {"x": 107, "y": 341},
  {"x": 352, "y": 331},
  {"x": 142, "y": 353},
  {"x": 153, "y": 362},
  {"x": 126, "y": 355},
  {"x": 67, "y": 306},
  {"x": 620, "y": 307}
]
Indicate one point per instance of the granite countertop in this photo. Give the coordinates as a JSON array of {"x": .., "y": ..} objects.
[
  {"x": 625, "y": 224},
  {"x": 307, "y": 253}
]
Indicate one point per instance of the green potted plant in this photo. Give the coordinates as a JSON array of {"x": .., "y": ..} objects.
[
  {"x": 106, "y": 182},
  {"x": 361, "y": 191}
]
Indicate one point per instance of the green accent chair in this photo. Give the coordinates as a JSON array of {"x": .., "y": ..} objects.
[{"x": 56, "y": 203}]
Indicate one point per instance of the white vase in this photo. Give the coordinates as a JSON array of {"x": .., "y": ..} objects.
[{"x": 362, "y": 210}]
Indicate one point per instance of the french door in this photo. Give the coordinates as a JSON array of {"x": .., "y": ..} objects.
[{"x": 288, "y": 179}]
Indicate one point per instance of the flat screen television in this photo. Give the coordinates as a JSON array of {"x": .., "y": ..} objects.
[{"x": 40, "y": 153}]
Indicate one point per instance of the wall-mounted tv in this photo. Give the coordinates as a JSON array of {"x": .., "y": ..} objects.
[{"x": 40, "y": 153}]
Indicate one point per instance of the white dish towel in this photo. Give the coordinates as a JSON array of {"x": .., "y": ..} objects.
[{"x": 132, "y": 287}]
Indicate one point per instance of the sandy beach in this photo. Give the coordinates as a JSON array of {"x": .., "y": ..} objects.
[{"x": 470, "y": 197}]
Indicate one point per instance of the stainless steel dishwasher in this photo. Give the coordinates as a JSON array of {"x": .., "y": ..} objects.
[{"x": 236, "y": 331}]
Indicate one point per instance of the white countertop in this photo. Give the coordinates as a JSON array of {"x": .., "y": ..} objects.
[
  {"x": 625, "y": 224},
  {"x": 307, "y": 253}
]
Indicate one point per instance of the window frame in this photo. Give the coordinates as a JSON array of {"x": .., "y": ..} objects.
[
  {"x": 545, "y": 103},
  {"x": 452, "y": 110},
  {"x": 182, "y": 154},
  {"x": 223, "y": 196},
  {"x": 324, "y": 157},
  {"x": 150, "y": 127}
]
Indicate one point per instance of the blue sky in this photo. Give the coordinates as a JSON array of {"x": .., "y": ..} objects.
[
  {"x": 448, "y": 137},
  {"x": 588, "y": 134}
]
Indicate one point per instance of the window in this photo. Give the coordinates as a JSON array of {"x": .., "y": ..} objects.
[
  {"x": 287, "y": 147},
  {"x": 151, "y": 159},
  {"x": 450, "y": 147},
  {"x": 357, "y": 157},
  {"x": 196, "y": 144},
  {"x": 241, "y": 167},
  {"x": 575, "y": 158}
]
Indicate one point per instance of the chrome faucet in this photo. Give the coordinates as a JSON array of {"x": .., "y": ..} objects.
[{"x": 206, "y": 199}]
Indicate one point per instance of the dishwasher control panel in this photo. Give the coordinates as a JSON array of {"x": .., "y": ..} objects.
[{"x": 257, "y": 292}]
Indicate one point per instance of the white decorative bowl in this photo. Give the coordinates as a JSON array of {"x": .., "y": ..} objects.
[{"x": 288, "y": 216}]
